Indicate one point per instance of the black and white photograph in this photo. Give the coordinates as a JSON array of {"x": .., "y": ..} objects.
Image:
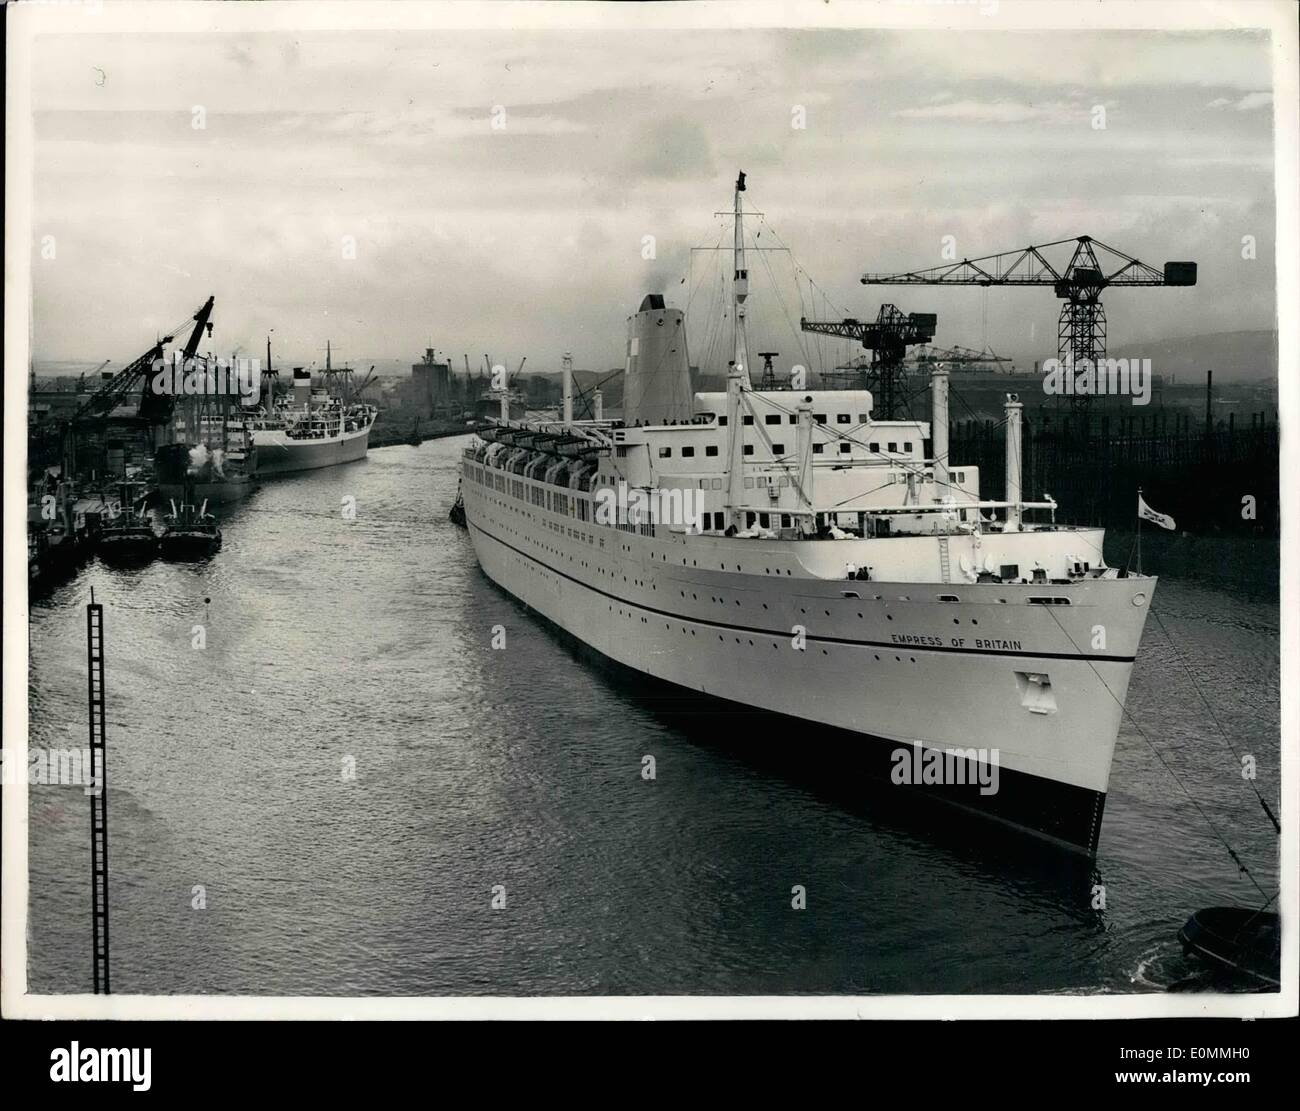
[{"x": 672, "y": 510}]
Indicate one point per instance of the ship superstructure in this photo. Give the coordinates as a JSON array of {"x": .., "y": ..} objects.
[{"x": 782, "y": 550}]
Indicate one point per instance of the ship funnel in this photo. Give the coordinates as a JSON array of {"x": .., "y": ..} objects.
[
  {"x": 657, "y": 385},
  {"x": 301, "y": 387}
]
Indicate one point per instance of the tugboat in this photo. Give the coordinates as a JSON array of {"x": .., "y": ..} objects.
[
  {"x": 128, "y": 536},
  {"x": 191, "y": 533}
]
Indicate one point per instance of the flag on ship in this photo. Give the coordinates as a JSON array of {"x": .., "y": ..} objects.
[{"x": 1147, "y": 513}]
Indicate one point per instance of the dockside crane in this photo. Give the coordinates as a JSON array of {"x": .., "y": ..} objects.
[
  {"x": 956, "y": 356},
  {"x": 887, "y": 338},
  {"x": 153, "y": 408},
  {"x": 1081, "y": 327}
]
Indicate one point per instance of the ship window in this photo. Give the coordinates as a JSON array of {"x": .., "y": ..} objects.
[
  {"x": 772, "y": 418},
  {"x": 717, "y": 484},
  {"x": 1057, "y": 601},
  {"x": 778, "y": 449},
  {"x": 907, "y": 446},
  {"x": 785, "y": 520},
  {"x": 817, "y": 449},
  {"x": 688, "y": 453},
  {"x": 820, "y": 418},
  {"x": 842, "y": 418},
  {"x": 874, "y": 448},
  {"x": 893, "y": 446},
  {"x": 862, "y": 418},
  {"x": 717, "y": 521},
  {"x": 793, "y": 419},
  {"x": 949, "y": 598},
  {"x": 747, "y": 419},
  {"x": 762, "y": 519},
  {"x": 722, "y": 422},
  {"x": 665, "y": 453},
  {"x": 711, "y": 450},
  {"x": 748, "y": 449},
  {"x": 844, "y": 449}
]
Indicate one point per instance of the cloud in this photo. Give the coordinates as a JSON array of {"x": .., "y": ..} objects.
[
  {"x": 1248, "y": 103},
  {"x": 1001, "y": 111},
  {"x": 674, "y": 149},
  {"x": 1251, "y": 101},
  {"x": 611, "y": 137}
]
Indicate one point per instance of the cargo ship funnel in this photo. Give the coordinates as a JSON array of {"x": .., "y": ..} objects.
[
  {"x": 657, "y": 385},
  {"x": 301, "y": 387}
]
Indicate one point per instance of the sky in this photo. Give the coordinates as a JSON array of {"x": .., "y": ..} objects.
[{"x": 528, "y": 239}]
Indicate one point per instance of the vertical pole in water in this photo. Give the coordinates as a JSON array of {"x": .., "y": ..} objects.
[{"x": 98, "y": 799}]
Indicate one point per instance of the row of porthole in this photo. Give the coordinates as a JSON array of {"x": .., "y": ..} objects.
[
  {"x": 749, "y": 640},
  {"x": 624, "y": 613}
]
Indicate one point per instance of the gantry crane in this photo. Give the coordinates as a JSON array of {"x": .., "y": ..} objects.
[
  {"x": 956, "y": 356},
  {"x": 1081, "y": 328},
  {"x": 887, "y": 338}
]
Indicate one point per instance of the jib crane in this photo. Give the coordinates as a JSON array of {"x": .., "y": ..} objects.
[
  {"x": 1081, "y": 328},
  {"x": 887, "y": 337},
  {"x": 154, "y": 408}
]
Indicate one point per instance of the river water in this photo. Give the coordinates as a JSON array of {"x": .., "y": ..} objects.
[{"x": 323, "y": 799}]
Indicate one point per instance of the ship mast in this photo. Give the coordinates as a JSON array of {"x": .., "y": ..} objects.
[
  {"x": 740, "y": 286},
  {"x": 737, "y": 374}
]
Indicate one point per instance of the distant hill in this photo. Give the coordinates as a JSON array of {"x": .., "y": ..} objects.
[{"x": 1233, "y": 356}]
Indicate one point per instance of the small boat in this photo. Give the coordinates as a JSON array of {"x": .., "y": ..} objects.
[
  {"x": 1237, "y": 939},
  {"x": 190, "y": 533},
  {"x": 128, "y": 533},
  {"x": 457, "y": 514},
  {"x": 128, "y": 541}
]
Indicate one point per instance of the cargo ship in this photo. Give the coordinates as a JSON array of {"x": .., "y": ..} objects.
[
  {"x": 782, "y": 550},
  {"x": 310, "y": 429}
]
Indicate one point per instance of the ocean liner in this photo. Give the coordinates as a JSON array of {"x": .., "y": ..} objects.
[{"x": 782, "y": 550}]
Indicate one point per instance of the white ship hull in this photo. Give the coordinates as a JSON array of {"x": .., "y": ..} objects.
[
  {"x": 887, "y": 663},
  {"x": 278, "y": 453}
]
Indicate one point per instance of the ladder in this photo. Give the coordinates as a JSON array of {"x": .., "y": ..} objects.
[
  {"x": 98, "y": 799},
  {"x": 945, "y": 569}
]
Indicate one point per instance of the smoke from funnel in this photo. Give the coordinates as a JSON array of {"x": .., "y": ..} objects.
[
  {"x": 218, "y": 456},
  {"x": 198, "y": 457}
]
